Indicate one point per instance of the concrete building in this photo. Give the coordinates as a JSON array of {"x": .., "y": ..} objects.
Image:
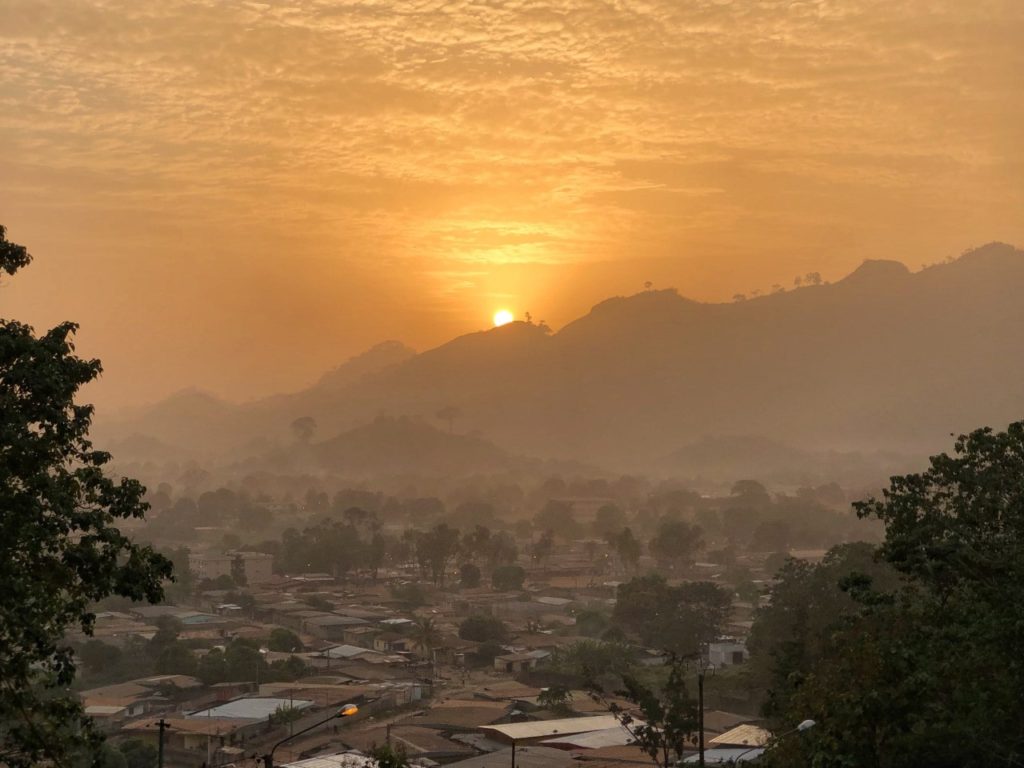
[
  {"x": 725, "y": 653},
  {"x": 207, "y": 565},
  {"x": 254, "y": 567}
]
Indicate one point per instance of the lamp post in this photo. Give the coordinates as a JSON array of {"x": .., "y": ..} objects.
[
  {"x": 805, "y": 725},
  {"x": 346, "y": 711}
]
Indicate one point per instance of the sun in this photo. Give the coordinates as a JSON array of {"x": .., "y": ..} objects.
[{"x": 503, "y": 317}]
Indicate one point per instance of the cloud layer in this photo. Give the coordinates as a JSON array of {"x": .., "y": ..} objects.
[{"x": 377, "y": 168}]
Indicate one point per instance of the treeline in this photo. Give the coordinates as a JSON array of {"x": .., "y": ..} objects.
[
  {"x": 355, "y": 529},
  {"x": 908, "y": 653},
  {"x": 239, "y": 660}
]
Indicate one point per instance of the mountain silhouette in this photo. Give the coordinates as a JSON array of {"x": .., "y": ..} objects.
[{"x": 883, "y": 360}]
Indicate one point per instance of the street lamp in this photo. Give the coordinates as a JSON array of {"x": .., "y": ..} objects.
[
  {"x": 346, "y": 710},
  {"x": 805, "y": 725}
]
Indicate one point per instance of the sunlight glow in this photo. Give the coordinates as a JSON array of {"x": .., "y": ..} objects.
[{"x": 503, "y": 317}]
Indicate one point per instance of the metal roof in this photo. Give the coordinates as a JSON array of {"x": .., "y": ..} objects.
[
  {"x": 607, "y": 737},
  {"x": 725, "y": 755},
  {"x": 743, "y": 736},
  {"x": 542, "y": 728},
  {"x": 250, "y": 709},
  {"x": 340, "y": 760},
  {"x": 526, "y": 757}
]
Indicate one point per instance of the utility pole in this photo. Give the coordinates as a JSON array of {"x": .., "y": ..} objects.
[
  {"x": 162, "y": 725},
  {"x": 703, "y": 665},
  {"x": 700, "y": 714}
]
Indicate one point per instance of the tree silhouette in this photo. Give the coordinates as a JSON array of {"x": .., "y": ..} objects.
[
  {"x": 60, "y": 549},
  {"x": 449, "y": 414}
]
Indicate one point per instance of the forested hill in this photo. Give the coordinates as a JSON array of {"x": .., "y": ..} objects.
[{"x": 885, "y": 359}]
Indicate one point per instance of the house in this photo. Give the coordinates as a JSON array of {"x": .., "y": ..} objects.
[
  {"x": 513, "y": 663},
  {"x": 329, "y": 626},
  {"x": 726, "y": 653},
  {"x": 359, "y": 635},
  {"x": 392, "y": 642},
  {"x": 195, "y": 734}
]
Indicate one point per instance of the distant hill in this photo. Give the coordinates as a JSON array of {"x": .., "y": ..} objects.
[
  {"x": 883, "y": 360},
  {"x": 397, "y": 446},
  {"x": 723, "y": 459}
]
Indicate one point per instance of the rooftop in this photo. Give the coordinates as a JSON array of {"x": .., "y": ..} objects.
[
  {"x": 250, "y": 709},
  {"x": 549, "y": 728}
]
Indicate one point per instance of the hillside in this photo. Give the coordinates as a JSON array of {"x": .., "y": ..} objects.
[{"x": 883, "y": 360}]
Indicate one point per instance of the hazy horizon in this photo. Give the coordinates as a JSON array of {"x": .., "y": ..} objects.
[{"x": 240, "y": 198}]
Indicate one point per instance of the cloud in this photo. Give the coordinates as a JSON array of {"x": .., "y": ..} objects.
[{"x": 465, "y": 132}]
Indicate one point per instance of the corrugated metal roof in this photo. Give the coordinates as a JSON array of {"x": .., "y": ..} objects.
[
  {"x": 607, "y": 737},
  {"x": 526, "y": 757},
  {"x": 725, "y": 755},
  {"x": 250, "y": 709},
  {"x": 542, "y": 728},
  {"x": 743, "y": 736},
  {"x": 341, "y": 760}
]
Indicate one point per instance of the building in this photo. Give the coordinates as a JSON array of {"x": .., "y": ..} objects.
[
  {"x": 258, "y": 567},
  {"x": 252, "y": 567},
  {"x": 725, "y": 653},
  {"x": 204, "y": 565}
]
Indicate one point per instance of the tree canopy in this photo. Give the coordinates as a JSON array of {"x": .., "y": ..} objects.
[
  {"x": 928, "y": 670},
  {"x": 60, "y": 547}
]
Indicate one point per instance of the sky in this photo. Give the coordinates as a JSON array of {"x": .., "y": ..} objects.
[{"x": 238, "y": 196}]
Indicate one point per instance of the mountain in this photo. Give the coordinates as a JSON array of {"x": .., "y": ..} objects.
[{"x": 885, "y": 359}]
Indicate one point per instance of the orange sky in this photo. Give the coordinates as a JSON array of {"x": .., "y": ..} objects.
[{"x": 241, "y": 195}]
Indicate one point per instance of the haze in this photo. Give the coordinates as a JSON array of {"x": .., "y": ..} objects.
[{"x": 240, "y": 196}]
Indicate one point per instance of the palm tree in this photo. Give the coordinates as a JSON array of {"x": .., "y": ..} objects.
[{"x": 427, "y": 636}]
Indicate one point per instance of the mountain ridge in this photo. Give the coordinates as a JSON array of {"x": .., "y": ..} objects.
[{"x": 883, "y": 358}]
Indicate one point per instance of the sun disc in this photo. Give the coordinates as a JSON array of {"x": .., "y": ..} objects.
[{"x": 503, "y": 317}]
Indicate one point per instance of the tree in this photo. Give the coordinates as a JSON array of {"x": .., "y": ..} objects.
[
  {"x": 96, "y": 655},
  {"x": 304, "y": 428},
  {"x": 438, "y": 546},
  {"x": 557, "y": 698},
  {"x": 677, "y": 619},
  {"x": 176, "y": 659},
  {"x": 928, "y": 672},
  {"x": 676, "y": 543},
  {"x": 483, "y": 629},
  {"x": 591, "y": 623},
  {"x": 508, "y": 578},
  {"x": 243, "y": 661},
  {"x": 212, "y": 667},
  {"x": 410, "y": 595},
  {"x": 790, "y": 634},
  {"x": 627, "y": 548},
  {"x": 667, "y": 719},
  {"x": 60, "y": 549},
  {"x": 449, "y": 414},
  {"x": 542, "y": 548},
  {"x": 469, "y": 576},
  {"x": 609, "y": 518},
  {"x": 138, "y": 753},
  {"x": 556, "y": 516},
  {"x": 427, "y": 633},
  {"x": 387, "y": 756},
  {"x": 285, "y": 714},
  {"x": 284, "y": 641},
  {"x": 501, "y": 550}
]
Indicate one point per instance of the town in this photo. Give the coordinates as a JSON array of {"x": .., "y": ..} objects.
[{"x": 455, "y": 643}]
